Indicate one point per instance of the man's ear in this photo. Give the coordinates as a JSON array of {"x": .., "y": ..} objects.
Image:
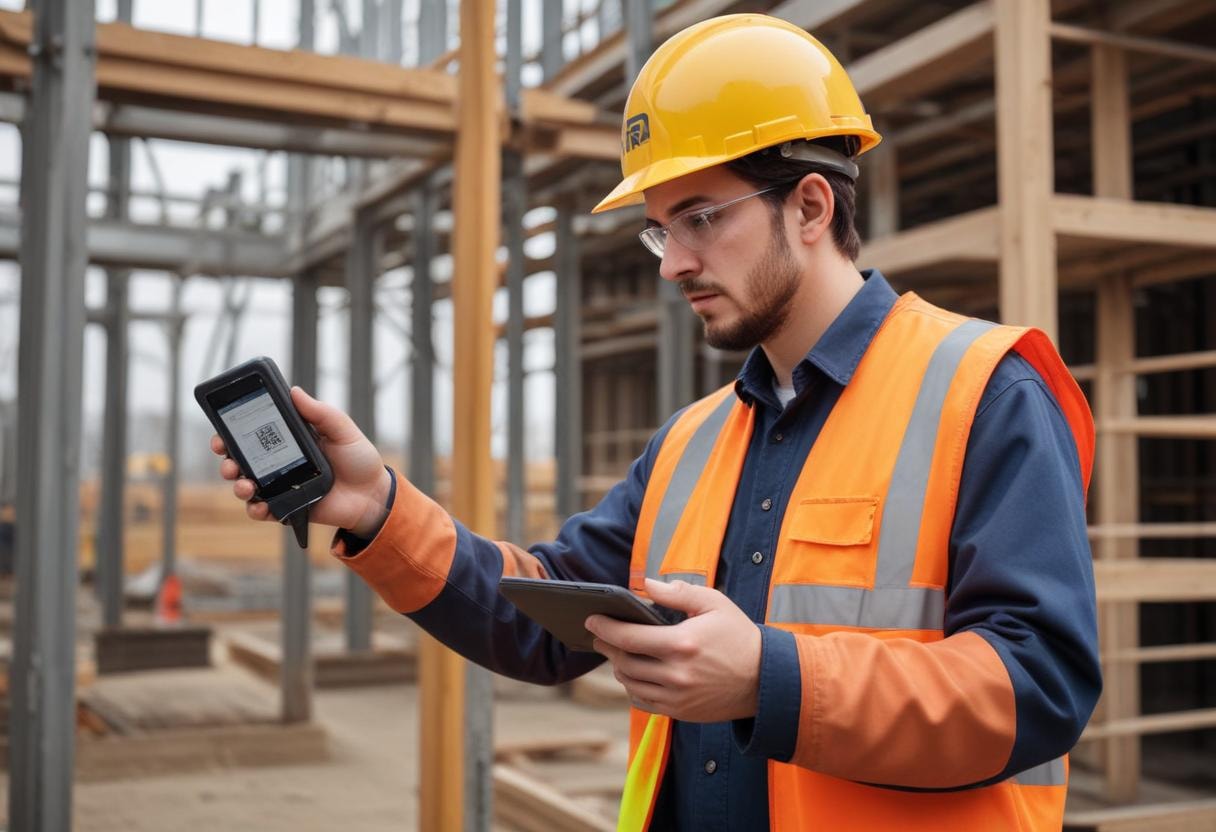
[{"x": 816, "y": 205}]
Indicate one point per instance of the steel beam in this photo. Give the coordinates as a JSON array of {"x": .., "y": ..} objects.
[
  {"x": 54, "y": 178},
  {"x": 361, "y": 273},
  {"x": 296, "y": 671},
  {"x": 113, "y": 243},
  {"x": 568, "y": 370}
]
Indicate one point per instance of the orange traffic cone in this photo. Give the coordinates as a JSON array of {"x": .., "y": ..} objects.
[{"x": 169, "y": 600}]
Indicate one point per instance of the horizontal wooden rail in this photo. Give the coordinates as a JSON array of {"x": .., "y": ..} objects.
[
  {"x": 1156, "y": 579},
  {"x": 1151, "y": 531},
  {"x": 1152, "y": 724}
]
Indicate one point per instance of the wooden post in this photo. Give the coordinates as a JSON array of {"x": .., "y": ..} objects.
[
  {"x": 1025, "y": 168},
  {"x": 1117, "y": 469},
  {"x": 442, "y": 798},
  {"x": 882, "y": 171}
]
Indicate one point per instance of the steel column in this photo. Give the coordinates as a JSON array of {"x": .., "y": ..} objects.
[
  {"x": 422, "y": 397},
  {"x": 675, "y": 356},
  {"x": 432, "y": 30},
  {"x": 296, "y": 671},
  {"x": 54, "y": 177},
  {"x": 361, "y": 274},
  {"x": 108, "y": 562},
  {"x": 173, "y": 329},
  {"x": 551, "y": 58},
  {"x": 514, "y": 206},
  {"x": 568, "y": 369},
  {"x": 109, "y": 559}
]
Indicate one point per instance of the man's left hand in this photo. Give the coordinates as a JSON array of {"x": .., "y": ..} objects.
[{"x": 704, "y": 669}]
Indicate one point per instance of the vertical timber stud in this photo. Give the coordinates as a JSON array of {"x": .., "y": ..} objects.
[
  {"x": 361, "y": 272},
  {"x": 1025, "y": 178},
  {"x": 514, "y": 205},
  {"x": 551, "y": 57},
  {"x": 882, "y": 171},
  {"x": 53, "y": 256},
  {"x": 1118, "y": 474},
  {"x": 568, "y": 369},
  {"x": 296, "y": 671},
  {"x": 453, "y": 798}
]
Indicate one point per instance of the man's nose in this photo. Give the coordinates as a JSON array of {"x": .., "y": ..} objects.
[{"x": 678, "y": 261}]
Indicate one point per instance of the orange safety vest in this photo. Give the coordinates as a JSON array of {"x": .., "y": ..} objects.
[{"x": 881, "y": 479}]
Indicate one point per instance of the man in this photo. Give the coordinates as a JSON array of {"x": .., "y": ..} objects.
[{"x": 877, "y": 532}]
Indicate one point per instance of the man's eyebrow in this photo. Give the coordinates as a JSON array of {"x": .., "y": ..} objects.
[{"x": 679, "y": 207}]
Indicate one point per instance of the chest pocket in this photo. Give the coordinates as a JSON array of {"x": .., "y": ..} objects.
[{"x": 829, "y": 540}]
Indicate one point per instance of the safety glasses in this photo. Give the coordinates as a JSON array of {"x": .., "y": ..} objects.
[{"x": 696, "y": 229}]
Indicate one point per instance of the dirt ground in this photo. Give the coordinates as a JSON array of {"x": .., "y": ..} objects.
[{"x": 370, "y": 782}]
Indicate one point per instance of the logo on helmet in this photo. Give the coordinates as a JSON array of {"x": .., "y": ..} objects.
[{"x": 637, "y": 132}]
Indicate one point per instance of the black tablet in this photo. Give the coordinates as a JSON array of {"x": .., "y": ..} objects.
[{"x": 561, "y": 607}]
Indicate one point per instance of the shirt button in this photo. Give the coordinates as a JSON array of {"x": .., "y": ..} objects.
[
  {"x": 711, "y": 766},
  {"x": 778, "y": 437},
  {"x": 767, "y": 504}
]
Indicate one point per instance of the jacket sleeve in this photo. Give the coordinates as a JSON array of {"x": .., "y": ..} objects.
[
  {"x": 1014, "y": 681},
  {"x": 429, "y": 566}
]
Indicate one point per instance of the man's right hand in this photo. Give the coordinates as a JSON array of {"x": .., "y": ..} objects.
[{"x": 361, "y": 482}]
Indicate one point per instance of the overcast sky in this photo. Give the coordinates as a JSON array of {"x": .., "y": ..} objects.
[{"x": 190, "y": 170}]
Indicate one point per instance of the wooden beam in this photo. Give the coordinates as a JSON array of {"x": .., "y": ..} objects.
[
  {"x": 1124, "y": 221},
  {"x": 1151, "y": 531},
  {"x": 283, "y": 86},
  {"x": 1025, "y": 179},
  {"x": 1130, "y": 43},
  {"x": 1183, "y": 816},
  {"x": 1162, "y": 427},
  {"x": 1155, "y": 579},
  {"x": 443, "y": 799},
  {"x": 534, "y": 806},
  {"x": 882, "y": 172},
  {"x": 1154, "y": 724},
  {"x": 971, "y": 236},
  {"x": 926, "y": 59},
  {"x": 1162, "y": 653}
]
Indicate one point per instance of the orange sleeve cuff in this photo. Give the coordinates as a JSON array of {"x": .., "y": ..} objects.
[
  {"x": 408, "y": 561},
  {"x": 875, "y": 710}
]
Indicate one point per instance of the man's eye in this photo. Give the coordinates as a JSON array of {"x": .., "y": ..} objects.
[{"x": 700, "y": 222}]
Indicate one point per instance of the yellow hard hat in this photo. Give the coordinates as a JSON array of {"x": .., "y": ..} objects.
[{"x": 724, "y": 88}]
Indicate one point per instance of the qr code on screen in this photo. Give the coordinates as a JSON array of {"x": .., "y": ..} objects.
[{"x": 269, "y": 436}]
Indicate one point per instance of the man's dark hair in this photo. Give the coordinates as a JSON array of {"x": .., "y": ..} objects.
[{"x": 767, "y": 168}]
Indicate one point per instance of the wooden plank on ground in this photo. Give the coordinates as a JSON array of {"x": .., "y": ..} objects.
[
  {"x": 1188, "y": 816},
  {"x": 533, "y": 806}
]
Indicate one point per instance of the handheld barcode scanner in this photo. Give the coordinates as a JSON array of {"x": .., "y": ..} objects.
[{"x": 250, "y": 408}]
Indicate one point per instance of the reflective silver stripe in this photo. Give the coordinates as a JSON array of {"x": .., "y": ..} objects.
[
  {"x": 1050, "y": 773},
  {"x": 892, "y": 604},
  {"x": 683, "y": 480},
  {"x": 686, "y": 577},
  {"x": 900, "y": 529},
  {"x": 888, "y": 608}
]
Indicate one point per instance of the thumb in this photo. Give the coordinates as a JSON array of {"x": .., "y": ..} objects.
[
  {"x": 683, "y": 596},
  {"x": 329, "y": 421}
]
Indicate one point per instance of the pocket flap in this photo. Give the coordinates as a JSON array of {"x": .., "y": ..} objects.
[{"x": 837, "y": 521}]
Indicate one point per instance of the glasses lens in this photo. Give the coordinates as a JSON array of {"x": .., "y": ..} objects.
[
  {"x": 655, "y": 240},
  {"x": 698, "y": 230}
]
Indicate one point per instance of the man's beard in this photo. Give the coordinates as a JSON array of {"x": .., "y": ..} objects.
[{"x": 774, "y": 282}]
